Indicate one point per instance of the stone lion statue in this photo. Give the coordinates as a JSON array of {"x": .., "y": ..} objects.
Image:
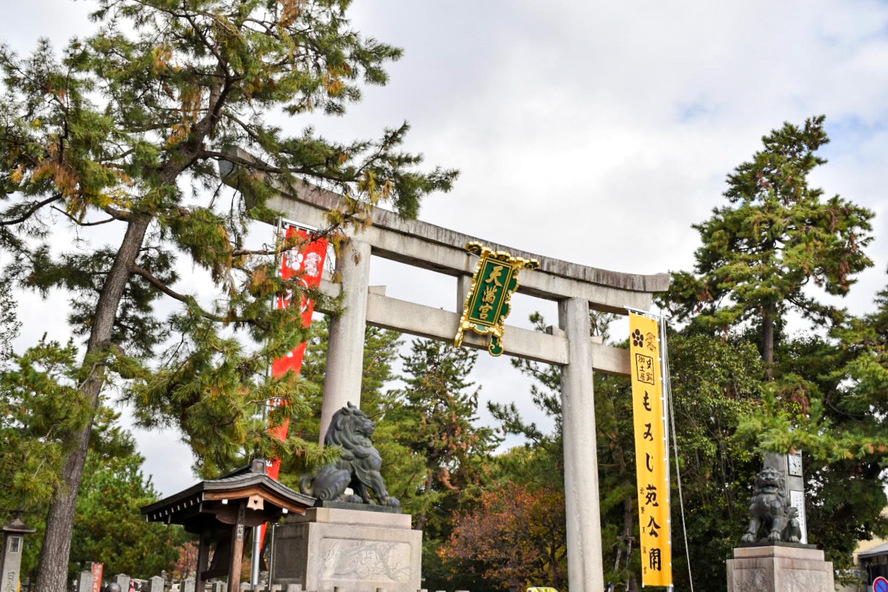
[
  {"x": 771, "y": 512},
  {"x": 350, "y": 429}
]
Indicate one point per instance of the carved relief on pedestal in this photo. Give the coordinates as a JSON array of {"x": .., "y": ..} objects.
[
  {"x": 751, "y": 580},
  {"x": 803, "y": 580},
  {"x": 357, "y": 560}
]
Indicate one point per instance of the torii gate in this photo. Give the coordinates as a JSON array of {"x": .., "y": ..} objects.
[{"x": 574, "y": 287}]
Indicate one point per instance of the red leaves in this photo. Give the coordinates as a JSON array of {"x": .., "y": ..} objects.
[{"x": 517, "y": 533}]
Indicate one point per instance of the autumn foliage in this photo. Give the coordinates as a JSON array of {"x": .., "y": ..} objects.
[{"x": 515, "y": 537}]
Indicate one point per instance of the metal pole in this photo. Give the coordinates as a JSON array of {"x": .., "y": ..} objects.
[
  {"x": 667, "y": 389},
  {"x": 257, "y": 556},
  {"x": 271, "y": 556}
]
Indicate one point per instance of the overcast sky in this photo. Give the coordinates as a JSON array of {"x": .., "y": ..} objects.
[{"x": 584, "y": 131}]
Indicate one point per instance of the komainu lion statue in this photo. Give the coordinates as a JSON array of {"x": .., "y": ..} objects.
[
  {"x": 358, "y": 468},
  {"x": 771, "y": 512}
]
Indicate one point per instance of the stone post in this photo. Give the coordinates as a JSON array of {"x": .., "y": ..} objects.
[
  {"x": 345, "y": 350},
  {"x": 156, "y": 584},
  {"x": 188, "y": 585},
  {"x": 123, "y": 581},
  {"x": 218, "y": 586},
  {"x": 85, "y": 581},
  {"x": 585, "y": 567}
]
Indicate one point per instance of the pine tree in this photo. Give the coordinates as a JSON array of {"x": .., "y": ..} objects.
[
  {"x": 760, "y": 253},
  {"x": 435, "y": 412},
  {"x": 862, "y": 383},
  {"x": 760, "y": 260},
  {"x": 716, "y": 386},
  {"x": 830, "y": 403},
  {"x": 126, "y": 130},
  {"x": 42, "y": 411},
  {"x": 434, "y": 420},
  {"x": 110, "y": 525},
  {"x": 9, "y": 323}
]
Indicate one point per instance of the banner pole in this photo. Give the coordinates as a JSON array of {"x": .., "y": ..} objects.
[
  {"x": 259, "y": 530},
  {"x": 644, "y": 313},
  {"x": 666, "y": 387}
]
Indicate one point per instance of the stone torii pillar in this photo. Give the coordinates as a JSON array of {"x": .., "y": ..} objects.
[
  {"x": 585, "y": 560},
  {"x": 342, "y": 382}
]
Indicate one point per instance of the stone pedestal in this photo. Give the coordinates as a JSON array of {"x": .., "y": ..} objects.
[
  {"x": 783, "y": 567},
  {"x": 353, "y": 550}
]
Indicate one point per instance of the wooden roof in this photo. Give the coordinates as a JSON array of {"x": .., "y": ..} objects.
[{"x": 213, "y": 500}]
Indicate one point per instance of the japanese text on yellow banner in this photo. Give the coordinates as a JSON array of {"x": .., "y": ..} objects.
[{"x": 651, "y": 463}]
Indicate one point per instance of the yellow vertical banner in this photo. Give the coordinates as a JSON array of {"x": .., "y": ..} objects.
[{"x": 651, "y": 461}]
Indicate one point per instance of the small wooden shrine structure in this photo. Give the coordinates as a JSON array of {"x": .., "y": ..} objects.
[{"x": 220, "y": 510}]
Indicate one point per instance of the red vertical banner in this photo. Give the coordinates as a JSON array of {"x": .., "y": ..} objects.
[
  {"x": 306, "y": 264},
  {"x": 97, "y": 576}
]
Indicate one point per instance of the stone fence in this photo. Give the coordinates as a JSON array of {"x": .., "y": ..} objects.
[{"x": 161, "y": 584}]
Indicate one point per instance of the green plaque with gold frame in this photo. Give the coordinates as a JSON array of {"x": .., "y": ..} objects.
[{"x": 488, "y": 302}]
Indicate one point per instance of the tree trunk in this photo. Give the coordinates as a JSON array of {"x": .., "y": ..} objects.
[
  {"x": 768, "y": 321},
  {"x": 52, "y": 570},
  {"x": 632, "y": 584}
]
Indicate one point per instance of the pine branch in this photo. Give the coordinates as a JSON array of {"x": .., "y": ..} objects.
[
  {"x": 185, "y": 299},
  {"x": 117, "y": 214},
  {"x": 79, "y": 223},
  {"x": 252, "y": 164},
  {"x": 157, "y": 283},
  {"x": 31, "y": 211}
]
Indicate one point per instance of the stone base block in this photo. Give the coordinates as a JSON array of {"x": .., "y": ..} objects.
[
  {"x": 352, "y": 550},
  {"x": 780, "y": 568}
]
